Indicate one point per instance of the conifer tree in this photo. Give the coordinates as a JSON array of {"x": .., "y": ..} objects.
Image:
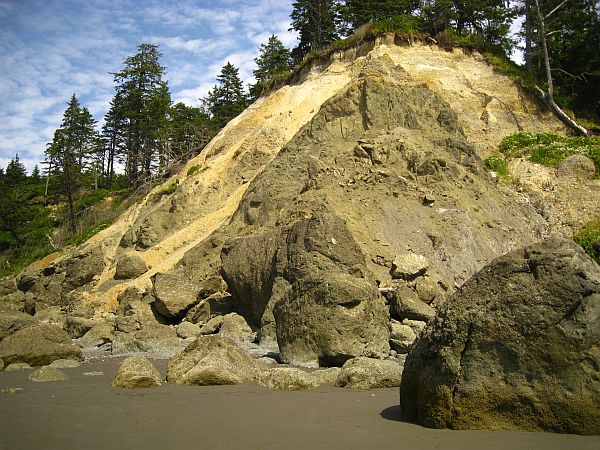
[
  {"x": 144, "y": 103},
  {"x": 317, "y": 22},
  {"x": 273, "y": 61},
  {"x": 227, "y": 99},
  {"x": 360, "y": 12},
  {"x": 189, "y": 130}
]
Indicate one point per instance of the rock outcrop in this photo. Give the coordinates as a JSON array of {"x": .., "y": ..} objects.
[{"x": 515, "y": 348}]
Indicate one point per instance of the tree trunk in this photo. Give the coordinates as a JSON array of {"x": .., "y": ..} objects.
[{"x": 549, "y": 95}]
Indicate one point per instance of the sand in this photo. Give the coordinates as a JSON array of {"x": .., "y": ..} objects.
[{"x": 87, "y": 413}]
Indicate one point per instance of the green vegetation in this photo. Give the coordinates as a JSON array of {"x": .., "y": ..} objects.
[
  {"x": 86, "y": 234},
  {"x": 550, "y": 149},
  {"x": 497, "y": 163},
  {"x": 589, "y": 238},
  {"x": 192, "y": 170},
  {"x": 168, "y": 190}
]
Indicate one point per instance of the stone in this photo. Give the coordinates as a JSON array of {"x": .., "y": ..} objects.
[
  {"x": 516, "y": 347},
  {"x": 8, "y": 285},
  {"x": 78, "y": 326},
  {"x": 577, "y": 166},
  {"x": 100, "y": 334},
  {"x": 187, "y": 330},
  {"x": 17, "y": 366},
  {"x": 427, "y": 289},
  {"x": 1, "y": 365},
  {"x": 13, "y": 321},
  {"x": 212, "y": 360},
  {"x": 12, "y": 390},
  {"x": 326, "y": 376},
  {"x": 64, "y": 364},
  {"x": 46, "y": 374},
  {"x": 326, "y": 321},
  {"x": 417, "y": 325},
  {"x": 232, "y": 326},
  {"x": 199, "y": 313},
  {"x": 130, "y": 266},
  {"x": 401, "y": 337},
  {"x": 368, "y": 373},
  {"x": 82, "y": 268},
  {"x": 38, "y": 345},
  {"x": 287, "y": 379},
  {"x": 174, "y": 295},
  {"x": 137, "y": 372},
  {"x": 408, "y": 266},
  {"x": 52, "y": 315},
  {"x": 406, "y": 305},
  {"x": 159, "y": 340}
]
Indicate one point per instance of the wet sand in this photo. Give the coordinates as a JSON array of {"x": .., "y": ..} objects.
[{"x": 87, "y": 413}]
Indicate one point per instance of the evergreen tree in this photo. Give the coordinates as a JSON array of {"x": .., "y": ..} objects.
[
  {"x": 317, "y": 22},
  {"x": 14, "y": 211},
  {"x": 360, "y": 12},
  {"x": 227, "y": 99},
  {"x": 35, "y": 176},
  {"x": 189, "y": 130},
  {"x": 273, "y": 61},
  {"x": 70, "y": 149},
  {"x": 144, "y": 101},
  {"x": 15, "y": 172},
  {"x": 113, "y": 138}
]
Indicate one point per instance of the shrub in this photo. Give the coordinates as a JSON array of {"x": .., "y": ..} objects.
[
  {"x": 89, "y": 232},
  {"x": 589, "y": 238},
  {"x": 166, "y": 190},
  {"x": 497, "y": 163},
  {"x": 192, "y": 170}
]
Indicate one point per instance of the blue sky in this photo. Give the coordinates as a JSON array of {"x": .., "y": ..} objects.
[{"x": 50, "y": 49}]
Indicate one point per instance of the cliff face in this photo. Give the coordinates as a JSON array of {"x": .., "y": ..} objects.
[{"x": 388, "y": 138}]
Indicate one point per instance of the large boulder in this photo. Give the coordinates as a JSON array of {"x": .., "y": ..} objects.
[
  {"x": 129, "y": 266},
  {"x": 368, "y": 373},
  {"x": 212, "y": 360},
  {"x": 288, "y": 379},
  {"x": 38, "y": 345},
  {"x": 231, "y": 326},
  {"x": 577, "y": 166},
  {"x": 174, "y": 293},
  {"x": 407, "y": 305},
  {"x": 517, "y": 347},
  {"x": 326, "y": 321},
  {"x": 137, "y": 372},
  {"x": 307, "y": 285}
]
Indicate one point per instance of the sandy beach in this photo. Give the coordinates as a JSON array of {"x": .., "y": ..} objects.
[{"x": 86, "y": 412}]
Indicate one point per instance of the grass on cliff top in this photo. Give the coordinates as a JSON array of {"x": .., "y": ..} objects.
[
  {"x": 550, "y": 149},
  {"x": 589, "y": 238}
]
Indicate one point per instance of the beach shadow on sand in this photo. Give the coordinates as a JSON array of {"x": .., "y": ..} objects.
[{"x": 393, "y": 413}]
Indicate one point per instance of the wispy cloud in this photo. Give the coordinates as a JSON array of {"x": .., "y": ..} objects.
[{"x": 50, "y": 50}]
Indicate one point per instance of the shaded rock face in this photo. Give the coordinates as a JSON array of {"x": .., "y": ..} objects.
[
  {"x": 516, "y": 347},
  {"x": 137, "y": 372},
  {"x": 311, "y": 279},
  {"x": 38, "y": 345},
  {"x": 212, "y": 360},
  {"x": 174, "y": 294}
]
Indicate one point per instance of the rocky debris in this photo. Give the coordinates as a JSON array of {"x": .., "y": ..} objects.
[
  {"x": 577, "y": 166},
  {"x": 78, "y": 326},
  {"x": 407, "y": 305},
  {"x": 408, "y": 266},
  {"x": 137, "y": 372},
  {"x": 13, "y": 321},
  {"x": 174, "y": 295},
  {"x": 199, "y": 314},
  {"x": 48, "y": 373},
  {"x": 427, "y": 289},
  {"x": 129, "y": 266},
  {"x": 17, "y": 366},
  {"x": 38, "y": 345},
  {"x": 53, "y": 315},
  {"x": 523, "y": 332},
  {"x": 17, "y": 302},
  {"x": 212, "y": 360},
  {"x": 232, "y": 326},
  {"x": 156, "y": 339},
  {"x": 8, "y": 285},
  {"x": 187, "y": 330},
  {"x": 401, "y": 337},
  {"x": 417, "y": 325},
  {"x": 64, "y": 364},
  {"x": 100, "y": 334},
  {"x": 82, "y": 268},
  {"x": 288, "y": 379},
  {"x": 368, "y": 373}
]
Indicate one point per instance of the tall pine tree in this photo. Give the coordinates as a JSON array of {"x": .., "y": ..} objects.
[
  {"x": 360, "y": 12},
  {"x": 227, "y": 99}
]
